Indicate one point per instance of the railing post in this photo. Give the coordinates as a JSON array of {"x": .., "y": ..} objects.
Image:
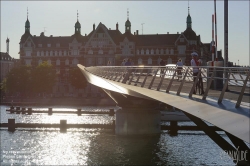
[
  {"x": 144, "y": 81},
  {"x": 182, "y": 82},
  {"x": 79, "y": 111},
  {"x": 63, "y": 126},
  {"x": 11, "y": 125},
  {"x": 208, "y": 85},
  {"x": 171, "y": 81},
  {"x": 162, "y": 78},
  {"x": 152, "y": 81},
  {"x": 50, "y": 111},
  {"x": 29, "y": 111},
  {"x": 224, "y": 87},
  {"x": 135, "y": 70},
  {"x": 129, "y": 71},
  {"x": 195, "y": 83},
  {"x": 138, "y": 77},
  {"x": 242, "y": 91}
]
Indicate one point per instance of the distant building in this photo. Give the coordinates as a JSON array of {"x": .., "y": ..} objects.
[
  {"x": 6, "y": 62},
  {"x": 103, "y": 44}
]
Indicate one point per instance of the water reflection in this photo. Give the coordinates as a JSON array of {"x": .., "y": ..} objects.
[{"x": 101, "y": 147}]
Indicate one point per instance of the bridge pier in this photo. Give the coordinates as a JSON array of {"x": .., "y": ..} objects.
[{"x": 137, "y": 121}]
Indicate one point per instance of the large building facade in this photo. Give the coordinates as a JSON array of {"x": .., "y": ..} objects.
[{"x": 102, "y": 45}]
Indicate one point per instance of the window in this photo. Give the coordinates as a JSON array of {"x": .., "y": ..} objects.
[
  {"x": 67, "y": 62},
  {"x": 28, "y": 53},
  {"x": 28, "y": 62},
  {"x": 29, "y": 44},
  {"x": 42, "y": 53},
  {"x": 51, "y": 53},
  {"x": 58, "y": 62},
  {"x": 181, "y": 49},
  {"x": 152, "y": 51},
  {"x": 100, "y": 52},
  {"x": 139, "y": 61},
  {"x": 181, "y": 39},
  {"x": 169, "y": 61},
  {"x": 100, "y": 61},
  {"x": 167, "y": 51},
  {"x": 157, "y": 51},
  {"x": 65, "y": 53},
  {"x": 75, "y": 52},
  {"x": 75, "y": 61},
  {"x": 171, "y": 51},
  {"x": 55, "y": 53},
  {"x": 37, "y": 53},
  {"x": 137, "y": 52},
  {"x": 89, "y": 61},
  {"x": 49, "y": 45},
  {"x": 49, "y": 62},
  {"x": 90, "y": 52},
  {"x": 60, "y": 53},
  {"x": 39, "y": 62},
  {"x": 149, "y": 61},
  {"x": 40, "y": 45},
  {"x": 58, "y": 45},
  {"x": 162, "y": 51},
  {"x": 47, "y": 53},
  {"x": 158, "y": 61},
  {"x": 147, "y": 51},
  {"x": 142, "y": 51},
  {"x": 111, "y": 52}
]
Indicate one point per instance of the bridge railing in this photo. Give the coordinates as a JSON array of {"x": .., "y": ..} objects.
[{"x": 215, "y": 78}]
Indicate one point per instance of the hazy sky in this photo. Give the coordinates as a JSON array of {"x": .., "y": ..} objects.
[{"x": 160, "y": 17}]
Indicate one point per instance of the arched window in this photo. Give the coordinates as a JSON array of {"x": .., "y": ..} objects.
[
  {"x": 157, "y": 51},
  {"x": 152, "y": 51},
  {"x": 57, "y": 62},
  {"x": 90, "y": 52},
  {"x": 65, "y": 53},
  {"x": 158, "y": 61},
  {"x": 42, "y": 54},
  {"x": 169, "y": 61},
  {"x": 139, "y": 61},
  {"x": 137, "y": 52},
  {"x": 100, "y": 52},
  {"x": 149, "y": 61},
  {"x": 147, "y": 52},
  {"x": 66, "y": 62},
  {"x": 40, "y": 61},
  {"x": 167, "y": 51},
  {"x": 55, "y": 53},
  {"x": 171, "y": 51},
  {"x": 60, "y": 53},
  {"x": 47, "y": 53},
  {"x": 142, "y": 51},
  {"x": 51, "y": 53},
  {"x": 75, "y": 61},
  {"x": 37, "y": 53},
  {"x": 49, "y": 62},
  {"x": 162, "y": 51}
]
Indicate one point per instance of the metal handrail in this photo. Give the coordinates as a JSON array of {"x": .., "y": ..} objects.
[{"x": 126, "y": 74}]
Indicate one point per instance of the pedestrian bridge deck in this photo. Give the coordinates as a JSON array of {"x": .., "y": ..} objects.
[{"x": 229, "y": 113}]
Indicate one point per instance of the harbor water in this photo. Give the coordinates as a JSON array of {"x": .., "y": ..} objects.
[{"x": 40, "y": 146}]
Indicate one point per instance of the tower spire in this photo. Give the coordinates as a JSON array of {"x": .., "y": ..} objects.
[
  {"x": 188, "y": 8},
  {"x": 127, "y": 14},
  {"x": 77, "y": 15},
  {"x": 27, "y": 13}
]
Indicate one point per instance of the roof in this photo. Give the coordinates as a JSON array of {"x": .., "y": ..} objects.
[{"x": 4, "y": 56}]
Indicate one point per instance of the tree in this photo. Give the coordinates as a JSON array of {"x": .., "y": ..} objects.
[
  {"x": 19, "y": 80},
  {"x": 77, "y": 79},
  {"x": 43, "y": 78}
]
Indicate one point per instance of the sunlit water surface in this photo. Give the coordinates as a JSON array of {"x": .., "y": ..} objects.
[{"x": 100, "y": 146}]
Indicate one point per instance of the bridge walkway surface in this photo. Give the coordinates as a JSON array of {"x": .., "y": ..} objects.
[{"x": 228, "y": 110}]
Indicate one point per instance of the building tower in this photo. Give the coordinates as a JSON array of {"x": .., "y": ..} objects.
[
  {"x": 7, "y": 45},
  {"x": 189, "y": 19},
  {"x": 27, "y": 24},
  {"x": 127, "y": 24},
  {"x": 77, "y": 26}
]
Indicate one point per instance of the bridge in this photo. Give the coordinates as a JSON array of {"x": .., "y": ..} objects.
[{"x": 140, "y": 89}]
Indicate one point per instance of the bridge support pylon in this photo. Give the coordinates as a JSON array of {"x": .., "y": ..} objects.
[{"x": 137, "y": 121}]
